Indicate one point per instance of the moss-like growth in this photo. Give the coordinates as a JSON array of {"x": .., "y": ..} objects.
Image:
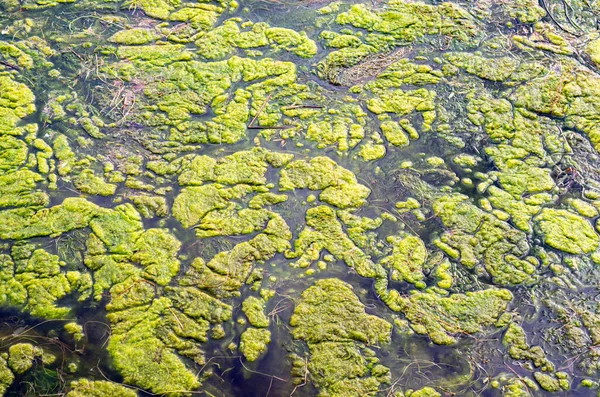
[
  {"x": 243, "y": 167},
  {"x": 324, "y": 231},
  {"x": 21, "y": 357},
  {"x": 34, "y": 281},
  {"x": 407, "y": 259},
  {"x": 193, "y": 203},
  {"x": 144, "y": 334},
  {"x": 133, "y": 36},
  {"x": 227, "y": 271},
  {"x": 254, "y": 309},
  {"x": 443, "y": 317},
  {"x": 478, "y": 237},
  {"x": 253, "y": 342},
  {"x": 494, "y": 69},
  {"x": 411, "y": 21},
  {"x": 99, "y": 388},
  {"x": 331, "y": 319},
  {"x": 87, "y": 182},
  {"x": 17, "y": 189},
  {"x": 551, "y": 383},
  {"x": 567, "y": 231},
  {"x": 6, "y": 376},
  {"x": 340, "y": 187},
  {"x": 263, "y": 199},
  {"x": 118, "y": 229},
  {"x": 592, "y": 49},
  {"x": 150, "y": 206},
  {"x": 518, "y": 348},
  {"x": 75, "y": 330},
  {"x": 330, "y": 311},
  {"x": 16, "y": 102},
  {"x": 22, "y": 223},
  {"x": 402, "y": 103}
]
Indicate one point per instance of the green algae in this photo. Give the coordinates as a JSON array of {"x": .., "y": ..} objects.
[
  {"x": 133, "y": 36},
  {"x": 16, "y": 102},
  {"x": 253, "y": 342},
  {"x": 410, "y": 21},
  {"x": 87, "y": 182},
  {"x": 324, "y": 231},
  {"x": 222, "y": 40},
  {"x": 150, "y": 206},
  {"x": 566, "y": 231},
  {"x": 443, "y": 317},
  {"x": 166, "y": 304},
  {"x": 254, "y": 309},
  {"x": 519, "y": 349},
  {"x": 478, "y": 237},
  {"x": 339, "y": 186},
  {"x": 17, "y": 189},
  {"x": 23, "y": 223},
  {"x": 315, "y": 322},
  {"x": 227, "y": 271},
  {"x": 407, "y": 259},
  {"x": 86, "y": 388},
  {"x": 332, "y": 321},
  {"x": 495, "y": 69},
  {"x": 6, "y": 376},
  {"x": 21, "y": 357},
  {"x": 34, "y": 281}
]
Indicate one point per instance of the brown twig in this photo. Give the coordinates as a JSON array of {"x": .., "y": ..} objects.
[
  {"x": 259, "y": 111},
  {"x": 10, "y": 65}
]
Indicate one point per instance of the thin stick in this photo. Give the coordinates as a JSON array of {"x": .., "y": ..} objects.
[
  {"x": 176, "y": 318},
  {"x": 260, "y": 110}
]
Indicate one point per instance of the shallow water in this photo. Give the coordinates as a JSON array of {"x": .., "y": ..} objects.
[{"x": 483, "y": 182}]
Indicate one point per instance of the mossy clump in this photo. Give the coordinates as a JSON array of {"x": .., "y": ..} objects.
[
  {"x": 254, "y": 309},
  {"x": 6, "y": 376},
  {"x": 18, "y": 189},
  {"x": 98, "y": 388},
  {"x": 16, "y": 102},
  {"x": 22, "y": 223},
  {"x": 35, "y": 282},
  {"x": 324, "y": 231},
  {"x": 227, "y": 38},
  {"x": 409, "y": 21},
  {"x": 90, "y": 183},
  {"x": 75, "y": 330},
  {"x": 592, "y": 49},
  {"x": 441, "y": 318},
  {"x": 494, "y": 69},
  {"x": 253, "y": 342},
  {"x": 330, "y": 311},
  {"x": 330, "y": 318},
  {"x": 21, "y": 357},
  {"x": 477, "y": 237},
  {"x": 133, "y": 36},
  {"x": 193, "y": 203},
  {"x": 518, "y": 348},
  {"x": 118, "y": 229},
  {"x": 150, "y": 206},
  {"x": 402, "y": 103},
  {"x": 228, "y": 270},
  {"x": 552, "y": 383},
  {"x": 243, "y": 167},
  {"x": 144, "y": 329},
  {"x": 407, "y": 259},
  {"x": 566, "y": 231},
  {"x": 339, "y": 185}
]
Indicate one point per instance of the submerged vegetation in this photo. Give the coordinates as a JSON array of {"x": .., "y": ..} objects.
[{"x": 395, "y": 198}]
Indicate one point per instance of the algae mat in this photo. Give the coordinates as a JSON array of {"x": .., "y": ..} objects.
[{"x": 310, "y": 198}]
